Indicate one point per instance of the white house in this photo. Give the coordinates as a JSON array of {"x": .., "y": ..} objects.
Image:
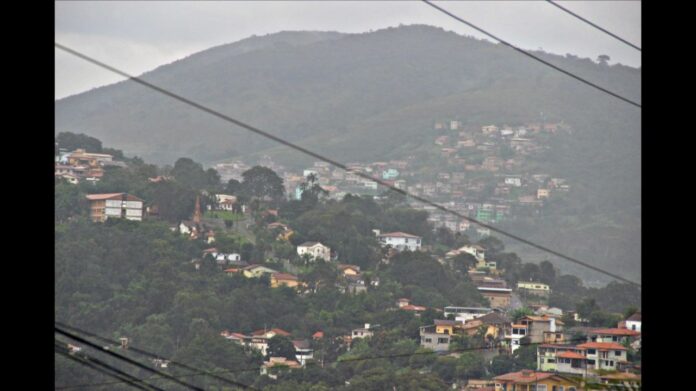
[
  {"x": 474, "y": 249},
  {"x": 225, "y": 201},
  {"x": 315, "y": 250},
  {"x": 400, "y": 241},
  {"x": 633, "y": 322},
  {"x": 303, "y": 351},
  {"x": 513, "y": 181},
  {"x": 367, "y": 331}
]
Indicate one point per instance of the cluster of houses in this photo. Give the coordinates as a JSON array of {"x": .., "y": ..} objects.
[
  {"x": 80, "y": 165},
  {"x": 259, "y": 341},
  {"x": 565, "y": 358}
]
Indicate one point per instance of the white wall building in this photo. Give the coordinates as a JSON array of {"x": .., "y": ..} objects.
[
  {"x": 400, "y": 241},
  {"x": 315, "y": 250}
]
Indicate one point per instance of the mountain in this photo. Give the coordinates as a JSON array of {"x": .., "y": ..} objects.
[{"x": 374, "y": 96}]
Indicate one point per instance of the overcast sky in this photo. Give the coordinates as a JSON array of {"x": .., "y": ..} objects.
[{"x": 139, "y": 36}]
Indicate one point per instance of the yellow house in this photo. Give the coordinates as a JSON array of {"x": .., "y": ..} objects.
[
  {"x": 289, "y": 280},
  {"x": 255, "y": 271},
  {"x": 446, "y": 326},
  {"x": 286, "y": 235},
  {"x": 528, "y": 380},
  {"x": 349, "y": 270}
]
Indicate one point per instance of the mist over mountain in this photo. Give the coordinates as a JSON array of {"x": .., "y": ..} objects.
[{"x": 374, "y": 96}]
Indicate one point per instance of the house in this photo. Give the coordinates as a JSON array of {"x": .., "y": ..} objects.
[
  {"x": 318, "y": 335},
  {"x": 535, "y": 288},
  {"x": 315, "y": 250},
  {"x": 390, "y": 174},
  {"x": 543, "y": 193},
  {"x": 474, "y": 249},
  {"x": 115, "y": 206},
  {"x": 612, "y": 335},
  {"x": 464, "y": 314},
  {"x": 255, "y": 271},
  {"x": 513, "y": 181},
  {"x": 402, "y": 302},
  {"x": 517, "y": 331},
  {"x": 498, "y": 297},
  {"x": 349, "y": 270},
  {"x": 431, "y": 339},
  {"x": 604, "y": 355},
  {"x": 479, "y": 385},
  {"x": 414, "y": 308},
  {"x": 527, "y": 380},
  {"x": 561, "y": 358},
  {"x": 364, "y": 332},
  {"x": 446, "y": 326},
  {"x": 259, "y": 338},
  {"x": 303, "y": 351},
  {"x": 497, "y": 325},
  {"x": 633, "y": 322},
  {"x": 276, "y": 364},
  {"x": 538, "y": 325},
  {"x": 621, "y": 380},
  {"x": 284, "y": 279},
  {"x": 400, "y": 241}
]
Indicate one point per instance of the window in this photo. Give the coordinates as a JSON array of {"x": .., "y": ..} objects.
[
  {"x": 551, "y": 360},
  {"x": 591, "y": 351},
  {"x": 633, "y": 327},
  {"x": 442, "y": 340},
  {"x": 428, "y": 340},
  {"x": 541, "y": 387},
  {"x": 617, "y": 353},
  {"x": 590, "y": 362}
]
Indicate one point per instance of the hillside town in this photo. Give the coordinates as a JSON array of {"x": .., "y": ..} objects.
[{"x": 514, "y": 314}]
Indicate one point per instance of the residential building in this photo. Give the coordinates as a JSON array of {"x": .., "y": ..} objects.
[
  {"x": 363, "y": 332},
  {"x": 528, "y": 380},
  {"x": 561, "y": 358},
  {"x": 115, "y": 206},
  {"x": 543, "y": 193},
  {"x": 276, "y": 364},
  {"x": 604, "y": 355},
  {"x": 475, "y": 250},
  {"x": 284, "y": 279},
  {"x": 400, "y": 241},
  {"x": 612, "y": 335},
  {"x": 303, "y": 351},
  {"x": 315, "y": 250},
  {"x": 443, "y": 326},
  {"x": 259, "y": 338},
  {"x": 621, "y": 381},
  {"x": 255, "y": 271},
  {"x": 464, "y": 314},
  {"x": 431, "y": 339},
  {"x": 538, "y": 325},
  {"x": 633, "y": 322},
  {"x": 536, "y": 288},
  {"x": 498, "y": 297},
  {"x": 516, "y": 333},
  {"x": 349, "y": 270}
]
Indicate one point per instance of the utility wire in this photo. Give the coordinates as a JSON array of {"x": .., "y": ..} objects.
[
  {"x": 156, "y": 356},
  {"x": 124, "y": 358},
  {"x": 105, "y": 370},
  {"x": 528, "y": 54},
  {"x": 350, "y": 359},
  {"x": 335, "y": 163},
  {"x": 594, "y": 25}
]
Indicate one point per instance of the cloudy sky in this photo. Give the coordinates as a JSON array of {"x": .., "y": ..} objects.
[{"x": 139, "y": 36}]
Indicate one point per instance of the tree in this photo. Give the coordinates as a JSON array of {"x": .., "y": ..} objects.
[
  {"x": 603, "y": 59},
  {"x": 280, "y": 346},
  {"x": 233, "y": 186},
  {"x": 72, "y": 141},
  {"x": 263, "y": 183},
  {"x": 492, "y": 244},
  {"x": 463, "y": 262},
  {"x": 189, "y": 173},
  {"x": 547, "y": 273}
]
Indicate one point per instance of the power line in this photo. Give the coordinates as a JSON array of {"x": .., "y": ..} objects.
[
  {"x": 594, "y": 25},
  {"x": 528, "y": 54},
  {"x": 105, "y": 369},
  {"x": 351, "y": 359},
  {"x": 156, "y": 356},
  {"x": 124, "y": 358},
  {"x": 335, "y": 163}
]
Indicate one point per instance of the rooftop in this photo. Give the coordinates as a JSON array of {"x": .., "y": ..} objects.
[
  {"x": 602, "y": 346},
  {"x": 399, "y": 235},
  {"x": 524, "y": 376}
]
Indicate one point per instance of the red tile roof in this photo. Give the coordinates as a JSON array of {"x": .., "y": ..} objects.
[
  {"x": 523, "y": 377},
  {"x": 284, "y": 276},
  {"x": 615, "y": 331},
  {"x": 602, "y": 346},
  {"x": 571, "y": 355},
  {"x": 318, "y": 335}
]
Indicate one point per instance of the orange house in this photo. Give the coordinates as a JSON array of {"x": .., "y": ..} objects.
[
  {"x": 528, "y": 380},
  {"x": 278, "y": 279}
]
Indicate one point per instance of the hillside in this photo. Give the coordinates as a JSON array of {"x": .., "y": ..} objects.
[{"x": 374, "y": 96}]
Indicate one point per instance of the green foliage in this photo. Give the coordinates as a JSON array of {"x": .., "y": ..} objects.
[
  {"x": 280, "y": 346},
  {"x": 72, "y": 141},
  {"x": 263, "y": 183}
]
